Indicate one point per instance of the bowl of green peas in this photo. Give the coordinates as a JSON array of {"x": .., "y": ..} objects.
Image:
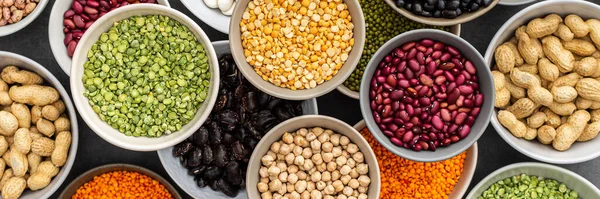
[
  {"x": 144, "y": 77},
  {"x": 533, "y": 180},
  {"x": 382, "y": 24}
]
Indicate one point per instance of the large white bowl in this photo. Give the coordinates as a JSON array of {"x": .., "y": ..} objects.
[
  {"x": 8, "y": 58},
  {"x": 102, "y": 128},
  {"x": 180, "y": 175},
  {"x": 57, "y": 36},
  {"x": 580, "y": 151},
  {"x": 584, "y": 188},
  {"x": 12, "y": 28},
  {"x": 213, "y": 17},
  {"x": 468, "y": 168}
]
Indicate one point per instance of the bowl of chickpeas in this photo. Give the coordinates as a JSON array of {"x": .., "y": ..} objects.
[
  {"x": 297, "y": 49},
  {"x": 313, "y": 156}
]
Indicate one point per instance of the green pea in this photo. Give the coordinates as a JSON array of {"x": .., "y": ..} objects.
[{"x": 527, "y": 186}]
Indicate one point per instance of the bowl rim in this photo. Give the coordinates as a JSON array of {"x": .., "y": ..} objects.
[
  {"x": 122, "y": 167},
  {"x": 223, "y": 28},
  {"x": 515, "y": 3},
  {"x": 92, "y": 119},
  {"x": 9, "y": 29},
  {"x": 178, "y": 181},
  {"x": 50, "y": 78},
  {"x": 376, "y": 174},
  {"x": 494, "y": 120},
  {"x": 465, "y": 17},
  {"x": 286, "y": 93},
  {"x": 455, "y": 29},
  {"x": 56, "y": 35},
  {"x": 472, "y": 152},
  {"x": 530, "y": 164},
  {"x": 400, "y": 151}
]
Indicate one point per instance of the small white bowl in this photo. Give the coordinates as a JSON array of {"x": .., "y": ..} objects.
[
  {"x": 460, "y": 188},
  {"x": 211, "y": 16},
  {"x": 102, "y": 128},
  {"x": 57, "y": 36},
  {"x": 8, "y": 58},
  {"x": 584, "y": 188},
  {"x": 514, "y": 2},
  {"x": 12, "y": 28},
  {"x": 580, "y": 151},
  {"x": 180, "y": 175}
]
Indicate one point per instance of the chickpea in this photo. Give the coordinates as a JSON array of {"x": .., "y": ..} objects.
[
  {"x": 289, "y": 158},
  {"x": 317, "y": 130},
  {"x": 321, "y": 185},
  {"x": 275, "y": 147},
  {"x": 298, "y": 150},
  {"x": 328, "y": 197},
  {"x": 300, "y": 186},
  {"x": 302, "y": 131},
  {"x": 344, "y": 140},
  {"x": 307, "y": 153},
  {"x": 299, "y": 160},
  {"x": 345, "y": 154},
  {"x": 310, "y": 186},
  {"x": 277, "y": 196},
  {"x": 287, "y": 138},
  {"x": 310, "y": 137},
  {"x": 364, "y": 180},
  {"x": 345, "y": 170},
  {"x": 301, "y": 175},
  {"x": 266, "y": 195},
  {"x": 290, "y": 188},
  {"x": 305, "y": 195},
  {"x": 292, "y": 169},
  {"x": 335, "y": 175},
  {"x": 300, "y": 141},
  {"x": 352, "y": 148},
  {"x": 359, "y": 157},
  {"x": 315, "y": 145},
  {"x": 329, "y": 132},
  {"x": 362, "y": 169},
  {"x": 323, "y": 138},
  {"x": 335, "y": 139},
  {"x": 283, "y": 190},
  {"x": 294, "y": 195},
  {"x": 267, "y": 160},
  {"x": 280, "y": 158},
  {"x": 275, "y": 185},
  {"x": 283, "y": 176},
  {"x": 345, "y": 179},
  {"x": 341, "y": 196},
  {"x": 351, "y": 162},
  {"x": 341, "y": 160},
  {"x": 315, "y": 177},
  {"x": 363, "y": 189},
  {"x": 326, "y": 176},
  {"x": 315, "y": 194},
  {"x": 337, "y": 151},
  {"x": 329, "y": 190},
  {"x": 262, "y": 187},
  {"x": 327, "y": 157},
  {"x": 354, "y": 194},
  {"x": 347, "y": 191},
  {"x": 322, "y": 167},
  {"x": 353, "y": 183},
  {"x": 317, "y": 159},
  {"x": 272, "y": 154},
  {"x": 354, "y": 173},
  {"x": 308, "y": 164},
  {"x": 265, "y": 180},
  {"x": 362, "y": 196},
  {"x": 263, "y": 172},
  {"x": 312, "y": 170},
  {"x": 338, "y": 185},
  {"x": 282, "y": 166},
  {"x": 327, "y": 146},
  {"x": 274, "y": 171},
  {"x": 292, "y": 178},
  {"x": 284, "y": 149}
]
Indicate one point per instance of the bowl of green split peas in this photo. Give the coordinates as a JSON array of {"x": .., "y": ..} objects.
[
  {"x": 533, "y": 180},
  {"x": 144, "y": 77},
  {"x": 382, "y": 24}
]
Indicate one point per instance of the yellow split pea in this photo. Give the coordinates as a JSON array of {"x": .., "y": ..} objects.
[{"x": 297, "y": 44}]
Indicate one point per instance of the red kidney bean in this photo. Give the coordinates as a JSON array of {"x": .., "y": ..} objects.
[
  {"x": 475, "y": 112},
  {"x": 396, "y": 141},
  {"x": 470, "y": 121},
  {"x": 411, "y": 54},
  {"x": 452, "y": 50},
  {"x": 420, "y": 57},
  {"x": 438, "y": 46},
  {"x": 470, "y": 67},
  {"x": 90, "y": 10},
  {"x": 389, "y": 134},
  {"x": 445, "y": 57},
  {"x": 421, "y": 48},
  {"x": 452, "y": 128},
  {"x": 436, "y": 54},
  {"x": 460, "y": 118},
  {"x": 428, "y": 52},
  {"x": 449, "y": 76},
  {"x": 446, "y": 142},
  {"x": 454, "y": 138},
  {"x": 427, "y": 42},
  {"x": 77, "y": 7},
  {"x": 387, "y": 120},
  {"x": 69, "y": 23},
  {"x": 78, "y": 35},
  {"x": 68, "y": 38},
  {"x": 71, "y": 48},
  {"x": 407, "y": 137}
]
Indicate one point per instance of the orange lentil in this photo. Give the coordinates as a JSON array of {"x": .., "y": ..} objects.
[
  {"x": 406, "y": 179},
  {"x": 122, "y": 185}
]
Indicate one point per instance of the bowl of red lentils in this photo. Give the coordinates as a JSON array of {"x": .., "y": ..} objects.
[
  {"x": 119, "y": 181},
  {"x": 297, "y": 49}
]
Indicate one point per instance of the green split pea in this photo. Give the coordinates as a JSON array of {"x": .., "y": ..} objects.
[
  {"x": 146, "y": 76},
  {"x": 528, "y": 187}
]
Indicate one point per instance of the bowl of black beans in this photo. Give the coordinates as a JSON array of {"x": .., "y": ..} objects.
[
  {"x": 212, "y": 162},
  {"x": 442, "y": 12}
]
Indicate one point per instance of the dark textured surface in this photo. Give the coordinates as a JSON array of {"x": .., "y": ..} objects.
[{"x": 93, "y": 151}]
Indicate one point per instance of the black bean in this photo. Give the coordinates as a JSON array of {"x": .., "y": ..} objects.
[
  {"x": 432, "y": 2},
  {"x": 207, "y": 155},
  {"x": 200, "y": 182},
  {"x": 228, "y": 138},
  {"x": 429, "y": 7},
  {"x": 250, "y": 142},
  {"x": 458, "y": 12},
  {"x": 437, "y": 14},
  {"x": 197, "y": 170},
  {"x": 237, "y": 150},
  {"x": 400, "y": 3},
  {"x": 213, "y": 185},
  {"x": 200, "y": 137},
  {"x": 213, "y": 172},
  {"x": 220, "y": 103},
  {"x": 473, "y": 7},
  {"x": 426, "y": 14},
  {"x": 194, "y": 159},
  {"x": 486, "y": 3},
  {"x": 221, "y": 158},
  {"x": 263, "y": 98},
  {"x": 182, "y": 148},
  {"x": 216, "y": 134},
  {"x": 241, "y": 133},
  {"x": 441, "y": 5},
  {"x": 452, "y": 5},
  {"x": 226, "y": 188},
  {"x": 274, "y": 103},
  {"x": 233, "y": 173},
  {"x": 449, "y": 14},
  {"x": 417, "y": 8},
  {"x": 250, "y": 102}
]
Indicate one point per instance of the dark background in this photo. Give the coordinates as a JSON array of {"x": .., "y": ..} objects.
[{"x": 32, "y": 42}]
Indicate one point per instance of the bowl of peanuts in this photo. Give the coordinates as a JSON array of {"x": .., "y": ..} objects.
[
  {"x": 313, "y": 156},
  {"x": 545, "y": 71},
  {"x": 38, "y": 134},
  {"x": 293, "y": 56},
  {"x": 17, "y": 14}
]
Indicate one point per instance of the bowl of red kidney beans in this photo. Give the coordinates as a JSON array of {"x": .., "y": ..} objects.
[{"x": 427, "y": 95}]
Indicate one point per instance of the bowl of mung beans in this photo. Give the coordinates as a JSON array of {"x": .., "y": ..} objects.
[
  {"x": 534, "y": 180},
  {"x": 144, "y": 77},
  {"x": 302, "y": 54},
  {"x": 382, "y": 24}
]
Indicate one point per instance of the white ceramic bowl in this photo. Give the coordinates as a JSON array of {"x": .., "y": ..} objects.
[
  {"x": 213, "y": 17},
  {"x": 514, "y": 2},
  {"x": 57, "y": 36},
  {"x": 102, "y": 128},
  {"x": 8, "y": 58},
  {"x": 580, "y": 151},
  {"x": 309, "y": 121},
  {"x": 468, "y": 169},
  {"x": 573, "y": 181},
  {"x": 180, "y": 175},
  {"x": 464, "y": 18},
  {"x": 12, "y": 28}
]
